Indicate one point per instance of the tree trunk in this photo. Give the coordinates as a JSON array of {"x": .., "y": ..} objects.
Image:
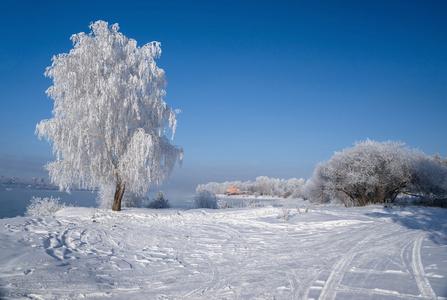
[
  {"x": 119, "y": 192},
  {"x": 380, "y": 195}
]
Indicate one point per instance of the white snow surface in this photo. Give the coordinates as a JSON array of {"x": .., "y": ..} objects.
[{"x": 330, "y": 252}]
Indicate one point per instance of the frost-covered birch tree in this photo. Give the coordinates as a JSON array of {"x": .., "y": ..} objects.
[{"x": 109, "y": 118}]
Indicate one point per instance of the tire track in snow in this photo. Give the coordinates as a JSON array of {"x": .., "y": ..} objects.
[
  {"x": 337, "y": 273},
  {"x": 228, "y": 244},
  {"x": 384, "y": 293},
  {"x": 375, "y": 241},
  {"x": 410, "y": 264},
  {"x": 315, "y": 236},
  {"x": 418, "y": 269},
  {"x": 322, "y": 282},
  {"x": 240, "y": 255}
]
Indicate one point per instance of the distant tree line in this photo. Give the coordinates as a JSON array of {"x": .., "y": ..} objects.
[
  {"x": 262, "y": 186},
  {"x": 18, "y": 183},
  {"x": 378, "y": 172},
  {"x": 369, "y": 173}
]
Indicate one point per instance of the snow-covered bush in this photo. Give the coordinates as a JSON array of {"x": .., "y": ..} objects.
[
  {"x": 205, "y": 199},
  {"x": 106, "y": 196},
  {"x": 314, "y": 189},
  {"x": 370, "y": 172},
  {"x": 428, "y": 180},
  {"x": 43, "y": 207},
  {"x": 377, "y": 172},
  {"x": 249, "y": 202},
  {"x": 221, "y": 204},
  {"x": 285, "y": 213},
  {"x": 131, "y": 199},
  {"x": 160, "y": 202}
]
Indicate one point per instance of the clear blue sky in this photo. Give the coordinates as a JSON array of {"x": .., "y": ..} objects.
[{"x": 265, "y": 87}]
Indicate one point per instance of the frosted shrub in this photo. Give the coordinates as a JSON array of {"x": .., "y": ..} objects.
[
  {"x": 249, "y": 203},
  {"x": 43, "y": 207},
  {"x": 205, "y": 199},
  {"x": 132, "y": 200},
  {"x": 222, "y": 204},
  {"x": 285, "y": 213},
  {"x": 105, "y": 196},
  {"x": 378, "y": 172},
  {"x": 368, "y": 173},
  {"x": 428, "y": 181},
  {"x": 160, "y": 202}
]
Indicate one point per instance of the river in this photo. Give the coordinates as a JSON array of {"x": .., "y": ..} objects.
[{"x": 13, "y": 202}]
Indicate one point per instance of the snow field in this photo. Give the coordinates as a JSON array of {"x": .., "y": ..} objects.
[{"x": 248, "y": 253}]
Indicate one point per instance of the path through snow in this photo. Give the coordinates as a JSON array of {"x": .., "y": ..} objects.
[{"x": 327, "y": 253}]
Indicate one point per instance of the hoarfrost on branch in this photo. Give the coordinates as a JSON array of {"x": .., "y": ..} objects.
[{"x": 109, "y": 118}]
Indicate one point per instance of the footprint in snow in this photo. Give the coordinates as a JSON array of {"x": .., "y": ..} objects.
[{"x": 28, "y": 272}]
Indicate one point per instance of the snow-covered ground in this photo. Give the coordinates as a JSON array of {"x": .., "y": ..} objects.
[{"x": 241, "y": 253}]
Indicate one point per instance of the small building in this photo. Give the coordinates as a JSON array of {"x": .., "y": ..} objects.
[{"x": 234, "y": 191}]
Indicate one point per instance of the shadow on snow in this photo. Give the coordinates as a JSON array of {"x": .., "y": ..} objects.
[{"x": 431, "y": 220}]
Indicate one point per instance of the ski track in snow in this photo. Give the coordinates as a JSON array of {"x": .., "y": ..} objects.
[{"x": 328, "y": 253}]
